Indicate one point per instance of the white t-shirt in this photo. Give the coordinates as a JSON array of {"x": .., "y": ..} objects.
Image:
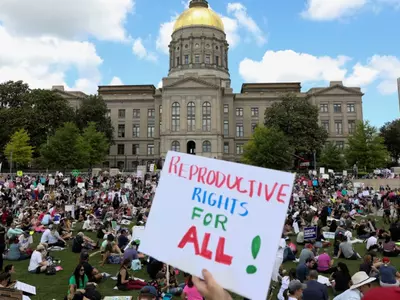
[
  {"x": 49, "y": 238},
  {"x": 371, "y": 241},
  {"x": 281, "y": 248},
  {"x": 35, "y": 261}
]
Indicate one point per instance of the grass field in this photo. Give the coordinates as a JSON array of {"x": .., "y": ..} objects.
[{"x": 56, "y": 287}]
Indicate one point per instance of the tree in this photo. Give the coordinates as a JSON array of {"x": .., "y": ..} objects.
[
  {"x": 366, "y": 148},
  {"x": 268, "y": 148},
  {"x": 18, "y": 150},
  {"x": 12, "y": 94},
  {"x": 297, "y": 118},
  {"x": 66, "y": 149},
  {"x": 332, "y": 157},
  {"x": 97, "y": 144},
  {"x": 94, "y": 109},
  {"x": 390, "y": 133}
]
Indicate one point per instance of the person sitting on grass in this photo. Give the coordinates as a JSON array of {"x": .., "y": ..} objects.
[
  {"x": 389, "y": 248},
  {"x": 4, "y": 278},
  {"x": 148, "y": 293},
  {"x": 160, "y": 283},
  {"x": 52, "y": 237},
  {"x": 389, "y": 276},
  {"x": 38, "y": 264},
  {"x": 346, "y": 250},
  {"x": 81, "y": 242},
  {"x": 110, "y": 251},
  {"x": 91, "y": 272},
  {"x": 77, "y": 282},
  {"x": 15, "y": 252},
  {"x": 124, "y": 282}
]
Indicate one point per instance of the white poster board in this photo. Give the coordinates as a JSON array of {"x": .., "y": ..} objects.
[
  {"x": 220, "y": 207},
  {"x": 321, "y": 170}
]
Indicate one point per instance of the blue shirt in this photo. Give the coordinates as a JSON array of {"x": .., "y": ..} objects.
[
  {"x": 302, "y": 272},
  {"x": 315, "y": 291},
  {"x": 46, "y": 219},
  {"x": 387, "y": 274}
]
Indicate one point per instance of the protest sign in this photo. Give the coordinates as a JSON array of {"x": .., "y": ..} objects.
[
  {"x": 310, "y": 233},
  {"x": 329, "y": 235},
  {"x": 223, "y": 217}
]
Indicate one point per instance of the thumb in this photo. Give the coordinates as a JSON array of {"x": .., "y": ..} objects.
[{"x": 202, "y": 285}]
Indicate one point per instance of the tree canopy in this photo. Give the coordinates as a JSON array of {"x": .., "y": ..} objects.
[
  {"x": 332, "y": 157},
  {"x": 268, "y": 148},
  {"x": 97, "y": 144},
  {"x": 18, "y": 150},
  {"x": 297, "y": 118},
  {"x": 366, "y": 148},
  {"x": 390, "y": 132}
]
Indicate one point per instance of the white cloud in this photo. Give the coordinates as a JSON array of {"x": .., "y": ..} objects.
[
  {"x": 160, "y": 85},
  {"x": 116, "y": 81},
  {"x": 102, "y": 19},
  {"x": 328, "y": 10},
  {"x": 240, "y": 19},
  {"x": 42, "y": 40},
  {"x": 239, "y": 11},
  {"x": 289, "y": 66},
  {"x": 141, "y": 52}
]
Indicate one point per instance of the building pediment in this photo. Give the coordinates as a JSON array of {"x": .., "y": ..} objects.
[
  {"x": 336, "y": 90},
  {"x": 191, "y": 83}
]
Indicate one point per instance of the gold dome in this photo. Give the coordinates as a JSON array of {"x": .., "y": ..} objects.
[{"x": 199, "y": 16}]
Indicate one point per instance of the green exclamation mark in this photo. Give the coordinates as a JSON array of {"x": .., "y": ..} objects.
[{"x": 255, "y": 249}]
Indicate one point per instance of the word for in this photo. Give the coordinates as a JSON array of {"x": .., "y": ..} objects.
[
  {"x": 251, "y": 188},
  {"x": 221, "y": 201},
  {"x": 191, "y": 238},
  {"x": 208, "y": 218}
]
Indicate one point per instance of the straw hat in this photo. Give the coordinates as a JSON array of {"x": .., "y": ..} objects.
[{"x": 359, "y": 279}]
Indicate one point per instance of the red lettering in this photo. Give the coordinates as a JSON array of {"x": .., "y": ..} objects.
[
  {"x": 204, "y": 247},
  {"x": 181, "y": 171},
  {"x": 190, "y": 237},
  {"x": 202, "y": 172},
  {"x": 173, "y": 164},
  {"x": 251, "y": 188},
  {"x": 268, "y": 196},
  {"x": 220, "y": 182},
  {"x": 281, "y": 193},
  {"x": 235, "y": 184},
  {"x": 259, "y": 189},
  {"x": 210, "y": 177},
  {"x": 193, "y": 171},
  {"x": 220, "y": 255}
]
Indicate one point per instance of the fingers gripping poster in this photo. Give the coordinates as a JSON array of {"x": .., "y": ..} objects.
[{"x": 220, "y": 216}]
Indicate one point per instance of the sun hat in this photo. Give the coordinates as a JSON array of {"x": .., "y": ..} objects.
[
  {"x": 359, "y": 279},
  {"x": 296, "y": 285},
  {"x": 387, "y": 293}
]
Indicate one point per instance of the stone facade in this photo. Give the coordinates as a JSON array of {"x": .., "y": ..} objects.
[{"x": 196, "y": 110}]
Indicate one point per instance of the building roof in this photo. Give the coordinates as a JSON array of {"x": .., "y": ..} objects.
[
  {"x": 127, "y": 89},
  {"x": 282, "y": 87}
]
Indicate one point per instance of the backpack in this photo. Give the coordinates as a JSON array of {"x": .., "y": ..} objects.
[{"x": 51, "y": 270}]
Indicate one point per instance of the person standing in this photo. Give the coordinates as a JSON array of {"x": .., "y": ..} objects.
[{"x": 2, "y": 244}]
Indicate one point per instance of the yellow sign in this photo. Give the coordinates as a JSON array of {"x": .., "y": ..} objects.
[{"x": 20, "y": 173}]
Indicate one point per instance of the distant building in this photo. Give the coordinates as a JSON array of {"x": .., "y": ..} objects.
[
  {"x": 74, "y": 97},
  {"x": 196, "y": 110}
]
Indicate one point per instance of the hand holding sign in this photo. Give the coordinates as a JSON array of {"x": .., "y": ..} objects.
[{"x": 223, "y": 217}]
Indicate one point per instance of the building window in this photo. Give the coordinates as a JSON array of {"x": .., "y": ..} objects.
[
  {"x": 206, "y": 147},
  {"x": 340, "y": 145},
  {"x": 135, "y": 149},
  {"x": 197, "y": 59},
  {"x": 121, "y": 113},
  {"x": 351, "y": 107},
  {"x": 176, "y": 146},
  {"x": 121, "y": 165},
  {"x": 239, "y": 149},
  {"x": 352, "y": 127},
  {"x": 135, "y": 130},
  {"x": 253, "y": 127},
  {"x": 177, "y": 61},
  {"x": 160, "y": 112},
  {"x": 206, "y": 116},
  {"x": 108, "y": 113},
  {"x": 121, "y": 130},
  {"x": 136, "y": 114},
  {"x": 226, "y": 108},
  {"x": 226, "y": 128},
  {"x": 254, "y": 112},
  {"x": 121, "y": 149},
  {"x": 207, "y": 60},
  {"x": 191, "y": 116},
  {"x": 239, "y": 112},
  {"x": 337, "y": 108},
  {"x": 217, "y": 60},
  {"x": 150, "y": 131},
  {"x": 323, "y": 108},
  {"x": 176, "y": 116},
  {"x": 226, "y": 147},
  {"x": 325, "y": 125},
  {"x": 338, "y": 127},
  {"x": 186, "y": 59},
  {"x": 150, "y": 149},
  {"x": 151, "y": 113},
  {"x": 239, "y": 130}
]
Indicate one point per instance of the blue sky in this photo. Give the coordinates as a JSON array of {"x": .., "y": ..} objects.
[{"x": 99, "y": 42}]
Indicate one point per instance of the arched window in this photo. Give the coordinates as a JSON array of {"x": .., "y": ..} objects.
[
  {"x": 206, "y": 147},
  {"x": 176, "y": 146},
  {"x": 206, "y": 116},
  {"x": 191, "y": 116},
  {"x": 176, "y": 116}
]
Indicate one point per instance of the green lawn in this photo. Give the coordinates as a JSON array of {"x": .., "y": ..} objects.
[{"x": 55, "y": 287}]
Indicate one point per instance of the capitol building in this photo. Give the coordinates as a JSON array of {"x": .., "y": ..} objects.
[{"x": 196, "y": 111}]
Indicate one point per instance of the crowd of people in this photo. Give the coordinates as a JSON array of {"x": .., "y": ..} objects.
[{"x": 65, "y": 213}]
